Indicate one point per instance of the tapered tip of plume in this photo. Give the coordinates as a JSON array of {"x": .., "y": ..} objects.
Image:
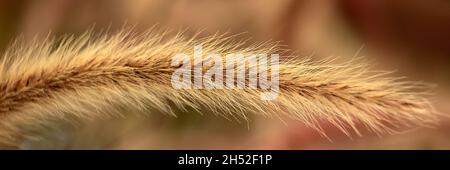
[{"x": 115, "y": 74}]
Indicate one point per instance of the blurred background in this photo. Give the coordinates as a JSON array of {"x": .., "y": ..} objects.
[{"x": 409, "y": 36}]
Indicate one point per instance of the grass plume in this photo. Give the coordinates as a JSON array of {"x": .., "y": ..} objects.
[{"x": 92, "y": 76}]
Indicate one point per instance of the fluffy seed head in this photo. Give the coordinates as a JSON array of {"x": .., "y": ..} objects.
[{"x": 93, "y": 76}]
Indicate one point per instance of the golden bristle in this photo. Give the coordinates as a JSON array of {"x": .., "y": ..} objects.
[{"x": 95, "y": 76}]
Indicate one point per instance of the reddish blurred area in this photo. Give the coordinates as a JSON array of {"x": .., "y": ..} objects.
[
  {"x": 410, "y": 36},
  {"x": 413, "y": 23}
]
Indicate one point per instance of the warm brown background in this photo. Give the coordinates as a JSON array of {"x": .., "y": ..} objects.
[{"x": 410, "y": 36}]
